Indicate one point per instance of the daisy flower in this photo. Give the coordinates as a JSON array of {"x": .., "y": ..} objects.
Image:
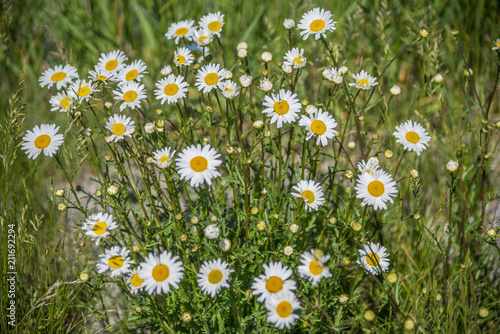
[
  {"x": 371, "y": 256},
  {"x": 363, "y": 81},
  {"x": 333, "y": 74},
  {"x": 230, "y": 89},
  {"x": 209, "y": 77},
  {"x": 497, "y": 45},
  {"x": 213, "y": 22},
  {"x": 131, "y": 93},
  {"x": 134, "y": 71},
  {"x": 163, "y": 158},
  {"x": 311, "y": 192},
  {"x": 59, "y": 75},
  {"x": 274, "y": 280},
  {"x": 283, "y": 107},
  {"x": 316, "y": 22},
  {"x": 319, "y": 124},
  {"x": 42, "y": 139},
  {"x": 116, "y": 260},
  {"x": 213, "y": 276},
  {"x": 161, "y": 272},
  {"x": 198, "y": 164},
  {"x": 183, "y": 57},
  {"x": 376, "y": 189},
  {"x": 280, "y": 309},
  {"x": 111, "y": 62},
  {"x": 181, "y": 29},
  {"x": 368, "y": 167},
  {"x": 312, "y": 266},
  {"x": 82, "y": 90},
  {"x": 61, "y": 102},
  {"x": 413, "y": 136},
  {"x": 171, "y": 89},
  {"x": 98, "y": 226},
  {"x": 203, "y": 37},
  {"x": 134, "y": 282},
  {"x": 295, "y": 58},
  {"x": 100, "y": 75},
  {"x": 197, "y": 52},
  {"x": 120, "y": 126}
]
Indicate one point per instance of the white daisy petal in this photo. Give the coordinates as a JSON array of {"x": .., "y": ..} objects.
[
  {"x": 116, "y": 260},
  {"x": 97, "y": 226},
  {"x": 171, "y": 89},
  {"x": 312, "y": 266},
  {"x": 213, "y": 276},
  {"x": 280, "y": 308},
  {"x": 59, "y": 75},
  {"x": 316, "y": 22},
  {"x": 412, "y": 136},
  {"x": 42, "y": 139},
  {"x": 197, "y": 164},
  {"x": 282, "y": 107},
  {"x": 371, "y": 256},
  {"x": 376, "y": 189},
  {"x": 120, "y": 126},
  {"x": 161, "y": 273},
  {"x": 275, "y": 279}
]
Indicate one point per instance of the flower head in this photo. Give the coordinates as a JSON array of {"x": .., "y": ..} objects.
[
  {"x": 161, "y": 272},
  {"x": 276, "y": 278},
  {"x": 213, "y": 276},
  {"x": 198, "y": 164},
  {"x": 212, "y": 22},
  {"x": 120, "y": 126},
  {"x": 371, "y": 256},
  {"x": 412, "y": 136},
  {"x": 312, "y": 266},
  {"x": 171, "y": 89},
  {"x": 99, "y": 225},
  {"x": 295, "y": 58},
  {"x": 59, "y": 75},
  {"x": 311, "y": 193},
  {"x": 282, "y": 107},
  {"x": 131, "y": 93},
  {"x": 375, "y": 189},
  {"x": 319, "y": 124},
  {"x": 363, "y": 81},
  {"x": 116, "y": 260},
  {"x": 43, "y": 138},
  {"x": 316, "y": 22},
  {"x": 181, "y": 29},
  {"x": 280, "y": 309}
]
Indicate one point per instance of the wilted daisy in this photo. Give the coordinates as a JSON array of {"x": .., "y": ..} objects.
[
  {"x": 131, "y": 93},
  {"x": 282, "y": 107},
  {"x": 212, "y": 231},
  {"x": 101, "y": 75},
  {"x": 213, "y": 22},
  {"x": 333, "y": 74},
  {"x": 319, "y": 124},
  {"x": 112, "y": 61},
  {"x": 171, "y": 89},
  {"x": 181, "y": 29},
  {"x": 58, "y": 75},
  {"x": 312, "y": 266},
  {"x": 363, "y": 81},
  {"x": 376, "y": 189},
  {"x": 161, "y": 272},
  {"x": 266, "y": 85},
  {"x": 368, "y": 167},
  {"x": 311, "y": 192},
  {"x": 134, "y": 282},
  {"x": 213, "y": 276},
  {"x": 197, "y": 52},
  {"x": 316, "y": 22},
  {"x": 133, "y": 71},
  {"x": 276, "y": 278},
  {"x": 198, "y": 165},
  {"x": 497, "y": 44},
  {"x": 209, "y": 77},
  {"x": 183, "y": 57},
  {"x": 116, "y": 260},
  {"x": 246, "y": 80},
  {"x": 61, "y": 102},
  {"x": 42, "y": 139},
  {"x": 163, "y": 158},
  {"x": 203, "y": 37},
  {"x": 82, "y": 90},
  {"x": 230, "y": 89},
  {"x": 120, "y": 126},
  {"x": 280, "y": 308},
  {"x": 97, "y": 226},
  {"x": 371, "y": 256},
  {"x": 413, "y": 136},
  {"x": 295, "y": 58}
]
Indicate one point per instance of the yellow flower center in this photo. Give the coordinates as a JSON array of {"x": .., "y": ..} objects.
[
  {"x": 136, "y": 280},
  {"x": 100, "y": 228},
  {"x": 308, "y": 196},
  {"x": 111, "y": 65},
  {"x": 362, "y": 82},
  {"x": 298, "y": 60},
  {"x": 315, "y": 267},
  {"x": 318, "y": 127},
  {"x": 171, "y": 89},
  {"x": 101, "y": 77},
  {"x": 211, "y": 79},
  {"x": 118, "y": 129},
  {"x": 229, "y": 90},
  {"x": 215, "y": 276},
  {"x": 164, "y": 159},
  {"x": 198, "y": 164},
  {"x": 376, "y": 188},
  {"x": 412, "y": 137},
  {"x": 214, "y": 26},
  {"x": 65, "y": 102},
  {"x": 131, "y": 75},
  {"x": 284, "y": 309},
  {"x": 281, "y": 108},
  {"x": 115, "y": 262},
  {"x": 317, "y": 25},
  {"x": 129, "y": 96},
  {"x": 181, "y": 31},
  {"x": 202, "y": 38},
  {"x": 498, "y": 43},
  {"x": 161, "y": 272},
  {"x": 42, "y": 141},
  {"x": 58, "y": 76},
  {"x": 274, "y": 284},
  {"x": 372, "y": 259},
  {"x": 180, "y": 59},
  {"x": 83, "y": 91}
]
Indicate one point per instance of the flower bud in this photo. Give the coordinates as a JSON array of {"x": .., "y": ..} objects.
[
  {"x": 424, "y": 33},
  {"x": 266, "y": 56},
  {"x": 288, "y": 24},
  {"x": 60, "y": 192}
]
